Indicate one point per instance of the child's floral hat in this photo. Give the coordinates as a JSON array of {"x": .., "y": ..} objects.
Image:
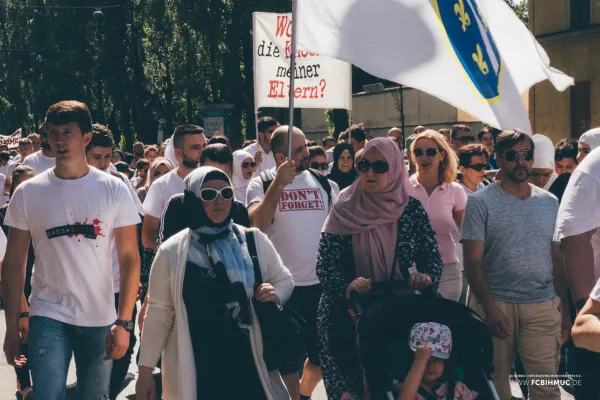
[{"x": 433, "y": 336}]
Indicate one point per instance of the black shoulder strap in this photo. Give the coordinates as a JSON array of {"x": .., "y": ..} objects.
[
  {"x": 425, "y": 394},
  {"x": 253, "y": 254},
  {"x": 267, "y": 178},
  {"x": 324, "y": 182}
]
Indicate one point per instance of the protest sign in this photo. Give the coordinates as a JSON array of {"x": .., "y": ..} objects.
[
  {"x": 320, "y": 82},
  {"x": 11, "y": 141}
]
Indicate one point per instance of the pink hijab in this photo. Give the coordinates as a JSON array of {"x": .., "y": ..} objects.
[{"x": 372, "y": 218}]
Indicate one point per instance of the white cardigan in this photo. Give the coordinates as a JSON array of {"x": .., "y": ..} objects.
[{"x": 166, "y": 327}]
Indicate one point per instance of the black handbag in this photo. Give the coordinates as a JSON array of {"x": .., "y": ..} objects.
[{"x": 282, "y": 328}]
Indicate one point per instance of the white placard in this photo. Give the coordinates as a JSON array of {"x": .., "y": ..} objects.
[{"x": 321, "y": 82}]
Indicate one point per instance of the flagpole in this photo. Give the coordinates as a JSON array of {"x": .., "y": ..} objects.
[
  {"x": 292, "y": 76},
  {"x": 254, "y": 83}
]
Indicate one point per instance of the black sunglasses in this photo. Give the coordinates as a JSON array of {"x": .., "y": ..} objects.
[
  {"x": 210, "y": 194},
  {"x": 248, "y": 164},
  {"x": 431, "y": 152},
  {"x": 512, "y": 155},
  {"x": 466, "y": 139},
  {"x": 316, "y": 165},
  {"x": 477, "y": 167},
  {"x": 379, "y": 166}
]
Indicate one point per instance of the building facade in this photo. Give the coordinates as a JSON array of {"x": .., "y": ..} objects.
[{"x": 569, "y": 31}]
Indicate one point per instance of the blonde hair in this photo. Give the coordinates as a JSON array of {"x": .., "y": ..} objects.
[{"x": 448, "y": 166}]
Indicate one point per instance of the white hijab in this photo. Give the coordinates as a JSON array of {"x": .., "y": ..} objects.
[
  {"x": 544, "y": 156},
  {"x": 239, "y": 183},
  {"x": 170, "y": 152},
  {"x": 591, "y": 138}
]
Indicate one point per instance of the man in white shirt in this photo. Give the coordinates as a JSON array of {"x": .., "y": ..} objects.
[
  {"x": 35, "y": 140},
  {"x": 292, "y": 213},
  {"x": 98, "y": 154},
  {"x": 72, "y": 213},
  {"x": 577, "y": 228},
  {"x": 189, "y": 141},
  {"x": 25, "y": 149},
  {"x": 263, "y": 154},
  {"x": 42, "y": 160}
]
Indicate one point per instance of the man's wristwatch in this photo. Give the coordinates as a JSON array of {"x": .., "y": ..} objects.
[
  {"x": 24, "y": 315},
  {"x": 128, "y": 325}
]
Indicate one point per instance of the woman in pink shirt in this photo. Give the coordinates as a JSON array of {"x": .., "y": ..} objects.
[{"x": 443, "y": 199}]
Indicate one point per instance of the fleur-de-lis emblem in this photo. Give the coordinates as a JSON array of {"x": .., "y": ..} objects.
[
  {"x": 478, "y": 58},
  {"x": 463, "y": 16}
]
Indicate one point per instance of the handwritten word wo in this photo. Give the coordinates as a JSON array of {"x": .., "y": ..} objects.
[
  {"x": 301, "y": 200},
  {"x": 281, "y": 89}
]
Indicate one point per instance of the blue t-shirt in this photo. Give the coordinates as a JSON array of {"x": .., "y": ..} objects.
[{"x": 518, "y": 237}]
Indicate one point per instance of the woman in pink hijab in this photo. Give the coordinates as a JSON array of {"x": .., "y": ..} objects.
[{"x": 375, "y": 232}]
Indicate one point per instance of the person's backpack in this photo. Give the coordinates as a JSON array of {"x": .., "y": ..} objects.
[{"x": 267, "y": 178}]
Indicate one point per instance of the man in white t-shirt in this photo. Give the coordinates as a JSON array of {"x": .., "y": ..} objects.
[
  {"x": 98, "y": 154},
  {"x": 25, "y": 149},
  {"x": 72, "y": 213},
  {"x": 577, "y": 228},
  {"x": 292, "y": 213},
  {"x": 189, "y": 141},
  {"x": 44, "y": 159},
  {"x": 261, "y": 150}
]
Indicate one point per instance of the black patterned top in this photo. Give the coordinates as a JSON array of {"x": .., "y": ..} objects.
[{"x": 335, "y": 269}]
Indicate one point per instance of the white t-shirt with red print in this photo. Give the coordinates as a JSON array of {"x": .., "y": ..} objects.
[
  {"x": 72, "y": 226},
  {"x": 296, "y": 228}
]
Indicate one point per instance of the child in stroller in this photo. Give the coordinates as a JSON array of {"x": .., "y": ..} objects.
[
  {"x": 428, "y": 378},
  {"x": 385, "y": 319}
]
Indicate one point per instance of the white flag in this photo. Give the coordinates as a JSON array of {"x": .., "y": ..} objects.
[{"x": 477, "y": 56}]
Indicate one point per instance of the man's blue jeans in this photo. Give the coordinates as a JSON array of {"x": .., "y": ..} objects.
[{"x": 51, "y": 344}]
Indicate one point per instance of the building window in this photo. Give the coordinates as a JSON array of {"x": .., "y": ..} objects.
[
  {"x": 580, "y": 108},
  {"x": 580, "y": 13}
]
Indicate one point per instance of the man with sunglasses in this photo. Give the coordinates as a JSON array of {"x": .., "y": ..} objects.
[
  {"x": 461, "y": 136},
  {"x": 263, "y": 154},
  {"x": 291, "y": 212},
  {"x": 515, "y": 268}
]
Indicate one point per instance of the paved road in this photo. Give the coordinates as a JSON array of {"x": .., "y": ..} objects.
[{"x": 8, "y": 380}]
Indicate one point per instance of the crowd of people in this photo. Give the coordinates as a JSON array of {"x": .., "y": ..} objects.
[{"x": 213, "y": 242}]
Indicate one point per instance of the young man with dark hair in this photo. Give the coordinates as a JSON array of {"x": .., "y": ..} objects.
[
  {"x": 99, "y": 155},
  {"x": 219, "y": 156},
  {"x": 515, "y": 268},
  {"x": 35, "y": 140},
  {"x": 358, "y": 137},
  {"x": 44, "y": 159},
  {"x": 25, "y": 149},
  {"x": 189, "y": 142},
  {"x": 261, "y": 150},
  {"x": 565, "y": 156},
  {"x": 461, "y": 135},
  {"x": 328, "y": 143},
  {"x": 3, "y": 148},
  {"x": 317, "y": 159},
  {"x": 295, "y": 232},
  {"x": 72, "y": 213}
]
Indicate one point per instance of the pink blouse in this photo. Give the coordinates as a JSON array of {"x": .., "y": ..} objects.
[{"x": 444, "y": 201}]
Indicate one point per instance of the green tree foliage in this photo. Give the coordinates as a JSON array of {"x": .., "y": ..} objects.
[{"x": 137, "y": 63}]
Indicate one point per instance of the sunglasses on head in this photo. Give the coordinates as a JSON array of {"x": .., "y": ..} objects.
[
  {"x": 466, "y": 139},
  {"x": 431, "y": 152},
  {"x": 379, "y": 166},
  {"x": 316, "y": 165},
  {"x": 512, "y": 155},
  {"x": 210, "y": 194},
  {"x": 477, "y": 167},
  {"x": 247, "y": 164}
]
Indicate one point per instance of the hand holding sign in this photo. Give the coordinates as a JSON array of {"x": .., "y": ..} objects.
[{"x": 286, "y": 173}]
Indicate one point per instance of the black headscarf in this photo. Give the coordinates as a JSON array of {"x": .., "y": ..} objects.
[{"x": 343, "y": 179}]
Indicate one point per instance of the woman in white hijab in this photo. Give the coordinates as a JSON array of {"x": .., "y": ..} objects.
[
  {"x": 588, "y": 142},
  {"x": 543, "y": 173},
  {"x": 243, "y": 169}
]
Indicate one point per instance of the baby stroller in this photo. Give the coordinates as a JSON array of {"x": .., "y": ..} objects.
[{"x": 384, "y": 321}]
